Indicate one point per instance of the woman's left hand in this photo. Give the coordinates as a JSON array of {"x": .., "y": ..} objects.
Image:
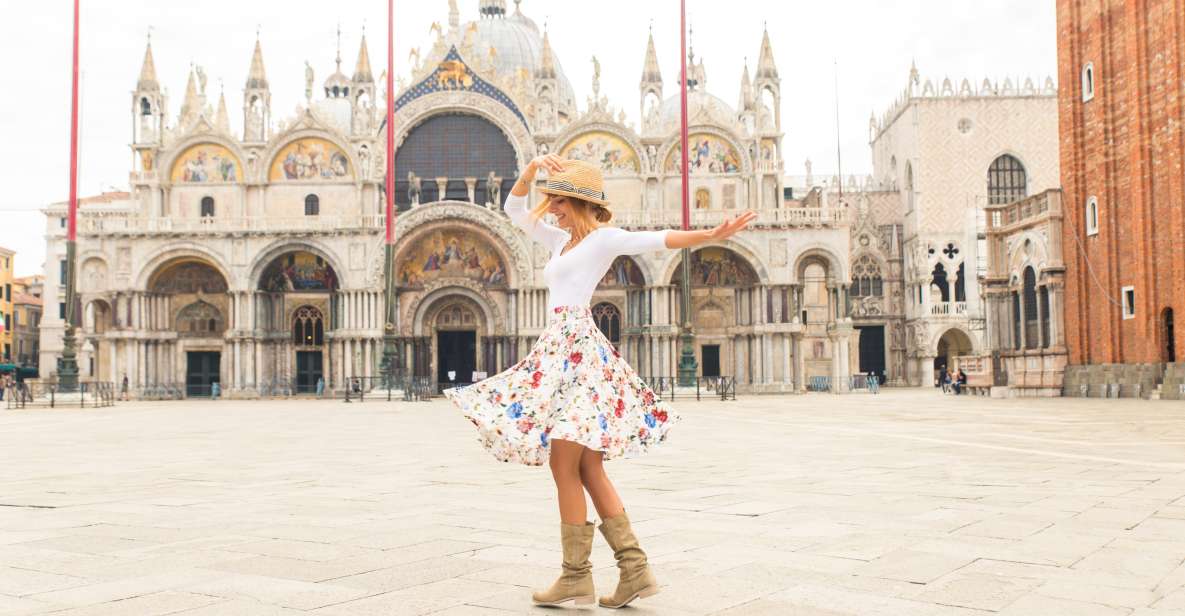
[{"x": 732, "y": 226}]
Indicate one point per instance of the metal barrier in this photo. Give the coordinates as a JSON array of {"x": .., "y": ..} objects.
[
  {"x": 162, "y": 391},
  {"x": 819, "y": 384},
  {"x": 868, "y": 382},
  {"x": 48, "y": 394},
  {"x": 668, "y": 387}
]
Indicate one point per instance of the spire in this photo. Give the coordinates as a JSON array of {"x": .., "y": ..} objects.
[
  {"x": 256, "y": 77},
  {"x": 454, "y": 15},
  {"x": 650, "y": 70},
  {"x": 746, "y": 102},
  {"x": 546, "y": 68},
  {"x": 221, "y": 120},
  {"x": 147, "y": 80},
  {"x": 362, "y": 72},
  {"x": 766, "y": 69},
  {"x": 339, "y": 48},
  {"x": 192, "y": 105}
]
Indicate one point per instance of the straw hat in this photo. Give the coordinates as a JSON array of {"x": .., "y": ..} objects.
[{"x": 579, "y": 179}]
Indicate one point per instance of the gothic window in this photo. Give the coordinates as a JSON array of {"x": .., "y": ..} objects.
[
  {"x": 938, "y": 282},
  {"x": 145, "y": 107},
  {"x": 1007, "y": 181},
  {"x": 455, "y": 146},
  {"x": 1092, "y": 216},
  {"x": 866, "y": 278},
  {"x": 207, "y": 206},
  {"x": 312, "y": 205},
  {"x": 1088, "y": 82},
  {"x": 308, "y": 327},
  {"x": 1029, "y": 292},
  {"x": 200, "y": 319},
  {"x": 608, "y": 319}
]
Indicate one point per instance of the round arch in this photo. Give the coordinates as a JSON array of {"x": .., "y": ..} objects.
[
  {"x": 575, "y": 136},
  {"x": 311, "y": 134},
  {"x": 182, "y": 251},
  {"x": 735, "y": 261},
  {"x": 515, "y": 245},
  {"x": 668, "y": 149},
  {"x": 735, "y": 244},
  {"x": 625, "y": 272},
  {"x": 419, "y": 245},
  {"x": 459, "y": 101},
  {"x": 962, "y": 339},
  {"x": 179, "y": 152},
  {"x": 451, "y": 289},
  {"x": 454, "y": 144},
  {"x": 837, "y": 268},
  {"x": 282, "y": 247}
]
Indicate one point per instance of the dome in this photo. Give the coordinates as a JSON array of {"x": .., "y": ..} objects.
[
  {"x": 337, "y": 84},
  {"x": 518, "y": 44},
  {"x": 697, "y": 100}
]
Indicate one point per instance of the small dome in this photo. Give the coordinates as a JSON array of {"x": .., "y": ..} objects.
[
  {"x": 337, "y": 85},
  {"x": 696, "y": 100},
  {"x": 517, "y": 44}
]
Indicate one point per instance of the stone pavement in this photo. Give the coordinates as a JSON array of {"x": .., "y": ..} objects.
[{"x": 908, "y": 503}]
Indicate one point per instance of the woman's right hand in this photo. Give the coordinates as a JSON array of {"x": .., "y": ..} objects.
[{"x": 548, "y": 162}]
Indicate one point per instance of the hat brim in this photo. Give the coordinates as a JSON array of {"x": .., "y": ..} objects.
[{"x": 575, "y": 195}]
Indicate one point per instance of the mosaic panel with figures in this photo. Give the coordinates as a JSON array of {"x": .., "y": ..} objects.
[
  {"x": 298, "y": 272},
  {"x": 709, "y": 154},
  {"x": 188, "y": 277},
  {"x": 609, "y": 151},
  {"x": 206, "y": 162},
  {"x": 720, "y": 267},
  {"x": 624, "y": 272},
  {"x": 311, "y": 158},
  {"x": 451, "y": 253}
]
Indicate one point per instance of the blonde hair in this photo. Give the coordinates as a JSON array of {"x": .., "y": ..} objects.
[{"x": 586, "y": 216}]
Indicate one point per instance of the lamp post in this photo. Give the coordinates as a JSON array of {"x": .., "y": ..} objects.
[
  {"x": 68, "y": 370},
  {"x": 390, "y": 351},
  {"x": 687, "y": 363}
]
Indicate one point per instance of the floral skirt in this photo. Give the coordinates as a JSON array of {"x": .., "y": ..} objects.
[{"x": 572, "y": 386}]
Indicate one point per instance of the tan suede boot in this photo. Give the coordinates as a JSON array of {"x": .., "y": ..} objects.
[
  {"x": 576, "y": 582},
  {"x": 636, "y": 579}
]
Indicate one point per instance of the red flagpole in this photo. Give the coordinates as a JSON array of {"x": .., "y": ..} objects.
[
  {"x": 390, "y": 185},
  {"x": 71, "y": 221},
  {"x": 683, "y": 115}
]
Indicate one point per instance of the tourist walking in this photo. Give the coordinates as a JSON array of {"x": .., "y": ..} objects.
[
  {"x": 320, "y": 386},
  {"x": 573, "y": 401},
  {"x": 123, "y": 388}
]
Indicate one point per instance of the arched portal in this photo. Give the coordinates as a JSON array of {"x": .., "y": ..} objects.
[
  {"x": 953, "y": 344},
  {"x": 453, "y": 147},
  {"x": 297, "y": 307},
  {"x": 188, "y": 296},
  {"x": 460, "y": 344}
]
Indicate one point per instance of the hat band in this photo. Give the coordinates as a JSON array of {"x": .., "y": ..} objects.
[{"x": 569, "y": 187}]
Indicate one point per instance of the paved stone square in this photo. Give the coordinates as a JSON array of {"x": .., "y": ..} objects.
[{"x": 909, "y": 503}]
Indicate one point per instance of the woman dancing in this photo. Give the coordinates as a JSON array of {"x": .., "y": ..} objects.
[{"x": 573, "y": 401}]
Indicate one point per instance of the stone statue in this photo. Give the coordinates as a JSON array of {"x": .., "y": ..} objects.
[
  {"x": 364, "y": 161},
  {"x": 413, "y": 188},
  {"x": 201, "y": 75},
  {"x": 596, "y": 76},
  {"x": 493, "y": 190},
  {"x": 308, "y": 80}
]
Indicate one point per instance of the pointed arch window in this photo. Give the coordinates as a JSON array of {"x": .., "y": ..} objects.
[
  {"x": 608, "y": 320},
  {"x": 1007, "y": 180},
  {"x": 312, "y": 205},
  {"x": 308, "y": 327},
  {"x": 145, "y": 107},
  {"x": 866, "y": 278}
]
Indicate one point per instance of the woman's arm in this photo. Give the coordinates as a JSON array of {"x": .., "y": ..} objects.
[
  {"x": 516, "y": 204},
  {"x": 728, "y": 228}
]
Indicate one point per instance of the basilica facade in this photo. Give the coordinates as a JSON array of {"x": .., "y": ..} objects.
[{"x": 257, "y": 260}]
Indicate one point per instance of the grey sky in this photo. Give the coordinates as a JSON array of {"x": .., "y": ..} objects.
[{"x": 872, "y": 41}]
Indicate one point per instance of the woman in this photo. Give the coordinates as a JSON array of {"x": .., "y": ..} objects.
[{"x": 573, "y": 402}]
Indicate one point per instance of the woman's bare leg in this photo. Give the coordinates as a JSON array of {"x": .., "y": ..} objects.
[
  {"x": 596, "y": 481},
  {"x": 565, "y": 470}
]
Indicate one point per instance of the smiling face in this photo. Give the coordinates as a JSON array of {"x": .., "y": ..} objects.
[{"x": 563, "y": 209}]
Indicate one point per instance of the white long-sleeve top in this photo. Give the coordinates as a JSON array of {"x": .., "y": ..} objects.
[{"x": 572, "y": 276}]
